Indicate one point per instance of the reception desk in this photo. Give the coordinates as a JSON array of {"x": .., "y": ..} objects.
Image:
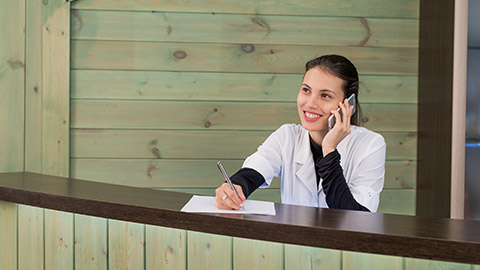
[{"x": 406, "y": 236}]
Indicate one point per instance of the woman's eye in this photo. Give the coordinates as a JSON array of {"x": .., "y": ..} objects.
[
  {"x": 306, "y": 90},
  {"x": 325, "y": 96}
]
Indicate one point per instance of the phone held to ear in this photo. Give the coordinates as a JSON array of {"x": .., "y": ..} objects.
[{"x": 331, "y": 119}]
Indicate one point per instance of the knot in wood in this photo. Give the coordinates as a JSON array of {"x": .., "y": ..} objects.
[{"x": 247, "y": 48}]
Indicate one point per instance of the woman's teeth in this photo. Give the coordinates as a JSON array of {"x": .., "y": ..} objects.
[{"x": 312, "y": 115}]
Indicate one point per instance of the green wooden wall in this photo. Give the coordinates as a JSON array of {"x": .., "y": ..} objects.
[{"x": 134, "y": 91}]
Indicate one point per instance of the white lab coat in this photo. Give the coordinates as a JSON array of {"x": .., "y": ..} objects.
[{"x": 286, "y": 154}]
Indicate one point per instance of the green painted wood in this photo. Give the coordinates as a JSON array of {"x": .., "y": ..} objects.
[
  {"x": 400, "y": 174},
  {"x": 59, "y": 235},
  {"x": 31, "y": 238},
  {"x": 126, "y": 245},
  {"x": 8, "y": 236},
  {"x": 356, "y": 8},
  {"x": 246, "y": 29},
  {"x": 55, "y": 114},
  {"x": 254, "y": 254},
  {"x": 221, "y": 115},
  {"x": 171, "y": 56},
  {"x": 12, "y": 72},
  {"x": 397, "y": 201},
  {"x": 185, "y": 173},
  {"x": 209, "y": 251},
  {"x": 476, "y": 267},
  {"x": 151, "y": 85},
  {"x": 58, "y": 240},
  {"x": 155, "y": 144},
  {"x": 301, "y": 257},
  {"x": 91, "y": 248},
  {"x": 419, "y": 264},
  {"x": 33, "y": 88},
  {"x": 359, "y": 261},
  {"x": 166, "y": 248}
]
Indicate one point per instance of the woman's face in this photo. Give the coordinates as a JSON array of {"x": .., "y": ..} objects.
[{"x": 319, "y": 94}]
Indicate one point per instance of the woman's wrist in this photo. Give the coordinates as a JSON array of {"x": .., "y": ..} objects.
[{"x": 327, "y": 150}]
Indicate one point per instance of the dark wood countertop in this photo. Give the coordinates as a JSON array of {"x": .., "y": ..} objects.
[{"x": 407, "y": 236}]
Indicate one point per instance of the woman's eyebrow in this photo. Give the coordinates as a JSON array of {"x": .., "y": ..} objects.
[
  {"x": 307, "y": 85},
  {"x": 327, "y": 90}
]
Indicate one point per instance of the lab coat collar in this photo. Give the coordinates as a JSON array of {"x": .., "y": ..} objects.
[{"x": 305, "y": 169}]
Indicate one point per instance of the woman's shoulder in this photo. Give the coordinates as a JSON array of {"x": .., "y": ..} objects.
[
  {"x": 290, "y": 130},
  {"x": 365, "y": 135}
]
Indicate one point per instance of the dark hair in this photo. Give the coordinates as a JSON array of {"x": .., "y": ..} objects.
[{"x": 344, "y": 69}]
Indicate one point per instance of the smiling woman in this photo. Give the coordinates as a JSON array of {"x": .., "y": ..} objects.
[{"x": 342, "y": 167}]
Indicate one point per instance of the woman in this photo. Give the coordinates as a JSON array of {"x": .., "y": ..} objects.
[{"x": 340, "y": 168}]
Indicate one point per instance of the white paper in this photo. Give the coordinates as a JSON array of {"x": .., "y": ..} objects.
[{"x": 207, "y": 204}]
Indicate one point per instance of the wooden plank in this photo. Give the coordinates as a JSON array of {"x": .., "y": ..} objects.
[
  {"x": 55, "y": 131},
  {"x": 91, "y": 248},
  {"x": 58, "y": 240},
  {"x": 12, "y": 72},
  {"x": 166, "y": 248},
  {"x": 171, "y": 173},
  {"x": 221, "y": 115},
  {"x": 8, "y": 235},
  {"x": 357, "y": 260},
  {"x": 419, "y": 264},
  {"x": 356, "y": 8},
  {"x": 126, "y": 245},
  {"x": 209, "y": 251},
  {"x": 55, "y": 126},
  {"x": 152, "y": 85},
  {"x": 255, "y": 254},
  {"x": 301, "y": 257},
  {"x": 31, "y": 238},
  {"x": 155, "y": 144},
  {"x": 251, "y": 58},
  {"x": 244, "y": 29},
  {"x": 33, "y": 88},
  {"x": 397, "y": 201}
]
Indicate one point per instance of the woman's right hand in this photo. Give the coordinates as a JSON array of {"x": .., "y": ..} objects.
[{"x": 227, "y": 199}]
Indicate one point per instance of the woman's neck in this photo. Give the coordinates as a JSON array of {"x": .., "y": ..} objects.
[{"x": 317, "y": 136}]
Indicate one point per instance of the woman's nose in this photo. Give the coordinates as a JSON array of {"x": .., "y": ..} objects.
[{"x": 311, "y": 103}]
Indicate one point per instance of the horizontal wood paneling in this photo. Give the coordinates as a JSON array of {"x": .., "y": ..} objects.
[
  {"x": 397, "y": 201},
  {"x": 233, "y": 57},
  {"x": 378, "y": 8},
  {"x": 151, "y": 85},
  {"x": 197, "y": 145},
  {"x": 184, "y": 173},
  {"x": 221, "y": 115},
  {"x": 244, "y": 29}
]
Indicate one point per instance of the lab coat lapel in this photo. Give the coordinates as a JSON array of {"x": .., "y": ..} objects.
[{"x": 304, "y": 167}]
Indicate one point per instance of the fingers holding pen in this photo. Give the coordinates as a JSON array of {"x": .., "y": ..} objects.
[{"x": 226, "y": 198}]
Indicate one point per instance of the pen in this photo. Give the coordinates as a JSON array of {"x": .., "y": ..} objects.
[{"x": 220, "y": 166}]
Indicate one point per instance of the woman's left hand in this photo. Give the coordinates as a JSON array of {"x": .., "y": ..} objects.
[{"x": 340, "y": 130}]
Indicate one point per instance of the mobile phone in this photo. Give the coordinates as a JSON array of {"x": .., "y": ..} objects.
[{"x": 331, "y": 119}]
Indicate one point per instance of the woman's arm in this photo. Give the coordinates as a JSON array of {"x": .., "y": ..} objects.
[
  {"x": 365, "y": 182},
  {"x": 337, "y": 192},
  {"x": 248, "y": 179}
]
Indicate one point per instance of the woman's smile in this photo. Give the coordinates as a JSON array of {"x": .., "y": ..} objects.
[{"x": 310, "y": 116}]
